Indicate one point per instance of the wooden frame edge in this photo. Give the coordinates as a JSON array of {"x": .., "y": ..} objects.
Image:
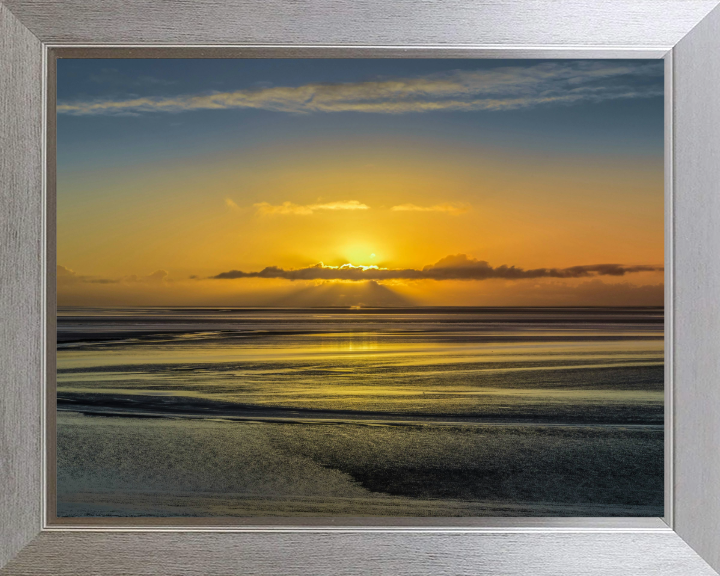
[{"x": 20, "y": 233}]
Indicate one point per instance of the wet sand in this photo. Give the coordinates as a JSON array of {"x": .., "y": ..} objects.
[{"x": 400, "y": 412}]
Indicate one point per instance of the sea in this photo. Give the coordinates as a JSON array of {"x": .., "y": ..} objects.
[{"x": 211, "y": 412}]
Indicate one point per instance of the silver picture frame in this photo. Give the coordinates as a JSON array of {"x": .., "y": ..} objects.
[{"x": 685, "y": 33}]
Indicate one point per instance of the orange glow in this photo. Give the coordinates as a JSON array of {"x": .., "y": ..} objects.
[{"x": 199, "y": 218}]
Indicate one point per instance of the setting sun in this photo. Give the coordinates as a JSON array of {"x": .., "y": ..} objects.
[
  {"x": 404, "y": 190},
  {"x": 354, "y": 288}
]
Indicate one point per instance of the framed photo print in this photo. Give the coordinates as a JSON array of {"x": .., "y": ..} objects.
[
  {"x": 328, "y": 334},
  {"x": 430, "y": 293}
]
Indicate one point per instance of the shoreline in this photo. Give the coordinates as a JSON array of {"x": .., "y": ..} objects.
[
  {"x": 358, "y": 422},
  {"x": 179, "y": 407}
]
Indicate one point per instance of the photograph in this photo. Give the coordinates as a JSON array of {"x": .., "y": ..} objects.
[{"x": 348, "y": 287}]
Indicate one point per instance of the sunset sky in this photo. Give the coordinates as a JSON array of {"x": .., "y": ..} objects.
[{"x": 444, "y": 182}]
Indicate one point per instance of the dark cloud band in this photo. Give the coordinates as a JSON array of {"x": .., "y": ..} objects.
[{"x": 458, "y": 267}]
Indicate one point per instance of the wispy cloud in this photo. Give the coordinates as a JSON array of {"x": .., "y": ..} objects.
[
  {"x": 451, "y": 208},
  {"x": 230, "y": 204},
  {"x": 67, "y": 276},
  {"x": 502, "y": 88},
  {"x": 457, "y": 267},
  {"x": 304, "y": 210}
]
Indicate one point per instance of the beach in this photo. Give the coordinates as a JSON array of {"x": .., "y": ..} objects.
[{"x": 213, "y": 412}]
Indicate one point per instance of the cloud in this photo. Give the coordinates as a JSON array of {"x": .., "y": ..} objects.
[
  {"x": 64, "y": 272},
  {"x": 65, "y": 276},
  {"x": 230, "y": 204},
  {"x": 495, "y": 89},
  {"x": 304, "y": 210},
  {"x": 451, "y": 208},
  {"x": 457, "y": 267},
  {"x": 156, "y": 277},
  {"x": 307, "y": 209}
]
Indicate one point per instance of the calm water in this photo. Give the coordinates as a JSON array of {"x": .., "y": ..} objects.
[{"x": 408, "y": 411}]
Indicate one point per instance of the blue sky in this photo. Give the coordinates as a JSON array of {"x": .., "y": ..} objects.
[{"x": 624, "y": 126}]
